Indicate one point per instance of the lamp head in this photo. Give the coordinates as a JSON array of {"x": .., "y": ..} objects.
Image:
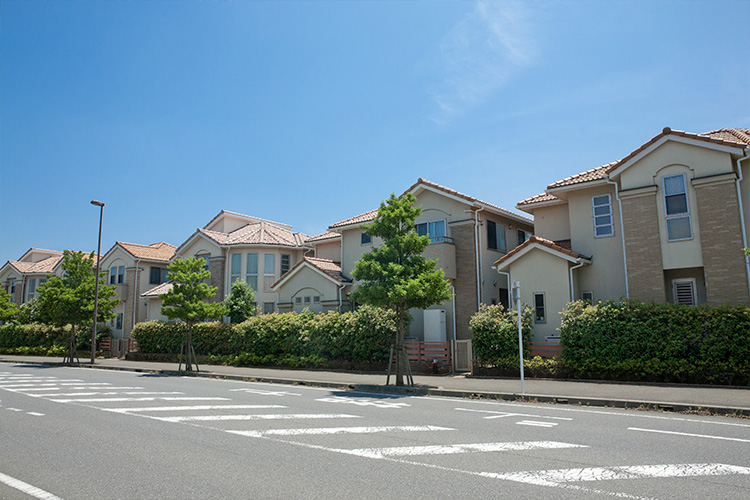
[{"x": 97, "y": 203}]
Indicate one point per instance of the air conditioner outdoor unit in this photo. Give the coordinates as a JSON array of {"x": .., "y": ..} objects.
[{"x": 434, "y": 325}]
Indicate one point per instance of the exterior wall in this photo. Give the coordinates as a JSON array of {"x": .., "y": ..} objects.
[
  {"x": 307, "y": 283},
  {"x": 216, "y": 267},
  {"x": 466, "y": 277},
  {"x": 553, "y": 222},
  {"x": 540, "y": 272},
  {"x": 606, "y": 274},
  {"x": 329, "y": 249},
  {"x": 723, "y": 260}
]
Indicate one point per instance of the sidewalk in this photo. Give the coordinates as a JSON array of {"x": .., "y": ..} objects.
[{"x": 720, "y": 400}]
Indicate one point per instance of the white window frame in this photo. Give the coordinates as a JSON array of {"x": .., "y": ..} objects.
[
  {"x": 544, "y": 308},
  {"x": 693, "y": 290},
  {"x": 31, "y": 289},
  {"x": 682, "y": 215},
  {"x": 611, "y": 216},
  {"x": 365, "y": 239},
  {"x": 431, "y": 225},
  {"x": 234, "y": 276},
  {"x": 252, "y": 277}
]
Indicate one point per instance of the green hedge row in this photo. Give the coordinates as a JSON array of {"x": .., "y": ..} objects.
[
  {"x": 495, "y": 332},
  {"x": 630, "y": 340},
  {"x": 13, "y": 335},
  {"x": 363, "y": 336}
]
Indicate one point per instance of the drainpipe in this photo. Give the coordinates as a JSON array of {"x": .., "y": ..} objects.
[
  {"x": 341, "y": 298},
  {"x": 478, "y": 241},
  {"x": 507, "y": 281},
  {"x": 742, "y": 215},
  {"x": 136, "y": 295},
  {"x": 622, "y": 236},
  {"x": 453, "y": 346},
  {"x": 572, "y": 292}
]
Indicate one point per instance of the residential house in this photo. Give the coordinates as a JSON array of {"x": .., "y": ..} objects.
[
  {"x": 666, "y": 223},
  {"x": 240, "y": 247},
  {"x": 467, "y": 235},
  {"x": 21, "y": 278},
  {"x": 134, "y": 269}
]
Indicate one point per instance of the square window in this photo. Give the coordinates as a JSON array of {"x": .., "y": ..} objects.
[
  {"x": 366, "y": 239},
  {"x": 316, "y": 299},
  {"x": 298, "y": 300}
]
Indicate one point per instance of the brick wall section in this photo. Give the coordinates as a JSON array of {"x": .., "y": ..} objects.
[
  {"x": 721, "y": 244},
  {"x": 643, "y": 248},
  {"x": 216, "y": 266},
  {"x": 130, "y": 301},
  {"x": 466, "y": 277}
]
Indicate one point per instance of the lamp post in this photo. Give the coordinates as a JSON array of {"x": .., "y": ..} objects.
[{"x": 96, "y": 282}]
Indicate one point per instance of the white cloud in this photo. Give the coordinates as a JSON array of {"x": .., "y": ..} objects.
[{"x": 491, "y": 44}]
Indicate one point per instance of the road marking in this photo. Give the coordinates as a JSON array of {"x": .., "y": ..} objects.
[
  {"x": 78, "y": 387},
  {"x": 114, "y": 393},
  {"x": 27, "y": 488},
  {"x": 282, "y": 416},
  {"x": 120, "y": 400},
  {"x": 503, "y": 414},
  {"x": 561, "y": 476},
  {"x": 266, "y": 393},
  {"x": 688, "y": 434},
  {"x": 14, "y": 409},
  {"x": 537, "y": 424},
  {"x": 457, "y": 448},
  {"x": 35, "y": 414},
  {"x": 191, "y": 408},
  {"x": 363, "y": 402},
  {"x": 341, "y": 430}
]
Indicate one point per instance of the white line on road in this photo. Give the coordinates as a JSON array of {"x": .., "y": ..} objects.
[
  {"x": 27, "y": 488},
  {"x": 341, "y": 430},
  {"x": 283, "y": 416},
  {"x": 78, "y": 387},
  {"x": 113, "y": 393},
  {"x": 120, "y": 400},
  {"x": 191, "y": 408},
  {"x": 35, "y": 414},
  {"x": 457, "y": 448},
  {"x": 537, "y": 424},
  {"x": 266, "y": 393},
  {"x": 503, "y": 414},
  {"x": 688, "y": 434}
]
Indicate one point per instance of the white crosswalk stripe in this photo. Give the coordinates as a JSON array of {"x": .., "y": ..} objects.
[
  {"x": 340, "y": 430},
  {"x": 278, "y": 416},
  {"x": 457, "y": 448},
  {"x": 191, "y": 408}
]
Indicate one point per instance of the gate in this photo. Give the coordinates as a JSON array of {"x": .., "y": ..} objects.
[{"x": 463, "y": 354}]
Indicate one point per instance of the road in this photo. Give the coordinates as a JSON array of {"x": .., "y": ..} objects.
[{"x": 74, "y": 433}]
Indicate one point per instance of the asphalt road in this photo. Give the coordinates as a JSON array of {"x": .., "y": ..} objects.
[{"x": 92, "y": 434}]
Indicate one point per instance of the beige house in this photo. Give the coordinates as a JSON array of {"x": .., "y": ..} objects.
[
  {"x": 467, "y": 236},
  {"x": 666, "y": 223},
  {"x": 134, "y": 269},
  {"x": 240, "y": 247},
  {"x": 21, "y": 278}
]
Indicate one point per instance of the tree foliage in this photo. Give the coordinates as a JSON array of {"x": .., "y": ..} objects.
[
  {"x": 241, "y": 302},
  {"x": 69, "y": 299},
  {"x": 8, "y": 310},
  {"x": 395, "y": 275},
  {"x": 495, "y": 332},
  {"x": 186, "y": 301}
]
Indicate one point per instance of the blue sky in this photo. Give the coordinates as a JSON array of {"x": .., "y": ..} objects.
[{"x": 310, "y": 112}]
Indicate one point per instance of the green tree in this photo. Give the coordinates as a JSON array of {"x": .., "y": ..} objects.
[
  {"x": 69, "y": 299},
  {"x": 8, "y": 310},
  {"x": 395, "y": 275},
  {"x": 241, "y": 302},
  {"x": 186, "y": 300}
]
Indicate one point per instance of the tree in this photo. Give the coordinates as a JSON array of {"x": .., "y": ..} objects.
[
  {"x": 69, "y": 299},
  {"x": 241, "y": 302},
  {"x": 186, "y": 300},
  {"x": 395, "y": 275},
  {"x": 8, "y": 310}
]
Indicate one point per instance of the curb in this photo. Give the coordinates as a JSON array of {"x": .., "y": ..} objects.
[{"x": 434, "y": 391}]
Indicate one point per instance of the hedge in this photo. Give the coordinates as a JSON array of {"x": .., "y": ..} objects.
[
  {"x": 630, "y": 340},
  {"x": 495, "y": 332},
  {"x": 297, "y": 339}
]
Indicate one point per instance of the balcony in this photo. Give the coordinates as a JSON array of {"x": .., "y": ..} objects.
[
  {"x": 121, "y": 292},
  {"x": 443, "y": 251}
]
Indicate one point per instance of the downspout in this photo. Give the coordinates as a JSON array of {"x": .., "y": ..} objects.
[
  {"x": 453, "y": 347},
  {"x": 341, "y": 298},
  {"x": 507, "y": 281},
  {"x": 572, "y": 291},
  {"x": 478, "y": 241},
  {"x": 622, "y": 236},
  {"x": 742, "y": 215},
  {"x": 136, "y": 296}
]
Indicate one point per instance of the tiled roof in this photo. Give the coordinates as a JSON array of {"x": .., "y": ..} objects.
[
  {"x": 540, "y": 198},
  {"x": 557, "y": 246},
  {"x": 158, "y": 290},
  {"x": 725, "y": 136},
  {"x": 47, "y": 265},
  {"x": 155, "y": 251},
  {"x": 328, "y": 235},
  {"x": 248, "y": 218},
  {"x": 357, "y": 219},
  {"x": 329, "y": 267},
  {"x": 258, "y": 233}
]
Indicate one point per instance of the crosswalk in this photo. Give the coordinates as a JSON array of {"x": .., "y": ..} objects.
[{"x": 277, "y": 421}]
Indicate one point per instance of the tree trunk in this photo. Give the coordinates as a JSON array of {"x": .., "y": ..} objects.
[
  {"x": 71, "y": 344},
  {"x": 189, "y": 348}
]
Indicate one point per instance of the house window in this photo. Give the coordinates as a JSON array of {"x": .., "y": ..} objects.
[
  {"x": 601, "y": 207},
  {"x": 683, "y": 292},
  {"x": 298, "y": 300},
  {"x": 269, "y": 271},
  {"x": 307, "y": 300},
  {"x": 158, "y": 275},
  {"x": 118, "y": 324},
  {"x": 496, "y": 237},
  {"x": 316, "y": 299},
  {"x": 13, "y": 291},
  {"x": 236, "y": 269},
  {"x": 676, "y": 208},
  {"x": 366, "y": 239},
  {"x": 522, "y": 236},
  {"x": 540, "y": 315},
  {"x": 252, "y": 270},
  {"x": 434, "y": 229},
  {"x": 285, "y": 263},
  {"x": 117, "y": 275},
  {"x": 268, "y": 307},
  {"x": 587, "y": 297},
  {"x": 32, "y": 289},
  {"x": 206, "y": 258}
]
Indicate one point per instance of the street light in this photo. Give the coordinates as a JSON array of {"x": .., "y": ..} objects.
[{"x": 96, "y": 282}]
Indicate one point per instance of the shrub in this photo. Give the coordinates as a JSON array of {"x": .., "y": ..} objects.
[{"x": 496, "y": 334}]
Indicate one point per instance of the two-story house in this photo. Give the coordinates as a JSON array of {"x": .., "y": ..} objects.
[
  {"x": 467, "y": 235},
  {"x": 666, "y": 223},
  {"x": 134, "y": 269},
  {"x": 21, "y": 278}
]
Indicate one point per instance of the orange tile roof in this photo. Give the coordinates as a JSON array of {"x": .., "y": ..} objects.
[
  {"x": 258, "y": 233},
  {"x": 357, "y": 219},
  {"x": 155, "y": 251},
  {"x": 158, "y": 290},
  {"x": 540, "y": 198},
  {"x": 327, "y": 266},
  {"x": 557, "y": 246},
  {"x": 328, "y": 235},
  {"x": 47, "y": 265}
]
